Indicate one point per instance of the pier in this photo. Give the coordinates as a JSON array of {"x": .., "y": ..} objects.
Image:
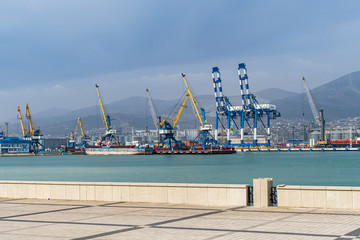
[{"x": 296, "y": 149}]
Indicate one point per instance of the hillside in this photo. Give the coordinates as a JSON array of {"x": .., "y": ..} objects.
[{"x": 340, "y": 99}]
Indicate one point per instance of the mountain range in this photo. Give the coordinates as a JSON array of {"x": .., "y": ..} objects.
[{"x": 339, "y": 98}]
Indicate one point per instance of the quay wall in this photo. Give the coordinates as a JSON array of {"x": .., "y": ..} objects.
[
  {"x": 318, "y": 197},
  {"x": 219, "y": 195}
]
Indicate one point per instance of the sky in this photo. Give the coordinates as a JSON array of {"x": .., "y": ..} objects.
[{"x": 52, "y": 53}]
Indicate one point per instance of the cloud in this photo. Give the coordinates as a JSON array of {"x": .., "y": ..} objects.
[{"x": 53, "y": 52}]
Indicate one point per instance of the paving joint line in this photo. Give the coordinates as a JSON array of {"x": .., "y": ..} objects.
[
  {"x": 74, "y": 223},
  {"x": 277, "y": 220},
  {"x": 44, "y": 212},
  {"x": 184, "y": 218},
  {"x": 108, "y": 233},
  {"x": 248, "y": 231}
]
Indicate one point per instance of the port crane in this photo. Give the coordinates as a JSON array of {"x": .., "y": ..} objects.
[
  {"x": 250, "y": 113},
  {"x": 318, "y": 119},
  {"x": 152, "y": 110},
  {"x": 85, "y": 137},
  {"x": 110, "y": 135},
  {"x": 24, "y": 131},
  {"x": 204, "y": 138},
  {"x": 35, "y": 135},
  {"x": 165, "y": 128}
]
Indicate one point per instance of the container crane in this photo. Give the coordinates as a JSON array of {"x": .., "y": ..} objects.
[
  {"x": 318, "y": 119},
  {"x": 110, "y": 135},
  {"x": 22, "y": 123},
  {"x": 250, "y": 112},
  {"x": 34, "y": 134}
]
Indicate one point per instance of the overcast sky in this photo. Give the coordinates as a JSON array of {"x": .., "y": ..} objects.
[{"x": 53, "y": 52}]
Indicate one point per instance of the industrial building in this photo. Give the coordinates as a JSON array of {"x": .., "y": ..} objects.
[{"x": 14, "y": 145}]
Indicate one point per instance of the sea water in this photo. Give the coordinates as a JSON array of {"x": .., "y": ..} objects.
[{"x": 291, "y": 168}]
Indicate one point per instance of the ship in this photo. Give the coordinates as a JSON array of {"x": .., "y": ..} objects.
[{"x": 117, "y": 150}]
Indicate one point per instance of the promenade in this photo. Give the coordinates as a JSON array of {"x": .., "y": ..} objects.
[{"x": 51, "y": 219}]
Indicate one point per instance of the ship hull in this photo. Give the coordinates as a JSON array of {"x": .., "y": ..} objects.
[{"x": 117, "y": 151}]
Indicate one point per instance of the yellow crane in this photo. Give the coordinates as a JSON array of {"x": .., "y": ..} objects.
[
  {"x": 83, "y": 134},
  {"x": 105, "y": 118},
  {"x": 110, "y": 135},
  {"x": 206, "y": 139},
  {"x": 193, "y": 104},
  {"x": 21, "y": 121},
  {"x": 31, "y": 127},
  {"x": 34, "y": 135}
]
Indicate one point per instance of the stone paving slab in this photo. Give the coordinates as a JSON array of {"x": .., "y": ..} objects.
[{"x": 52, "y": 219}]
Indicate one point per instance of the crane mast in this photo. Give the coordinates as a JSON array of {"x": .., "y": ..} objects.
[
  {"x": 85, "y": 137},
  {"x": 110, "y": 136},
  {"x": 180, "y": 110},
  {"x": 105, "y": 118},
  {"x": 28, "y": 115},
  {"x": 21, "y": 121},
  {"x": 152, "y": 109},
  {"x": 193, "y": 104},
  {"x": 83, "y": 134},
  {"x": 311, "y": 103},
  {"x": 196, "y": 111}
]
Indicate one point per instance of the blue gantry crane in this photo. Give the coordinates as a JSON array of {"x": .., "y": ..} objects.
[{"x": 251, "y": 113}]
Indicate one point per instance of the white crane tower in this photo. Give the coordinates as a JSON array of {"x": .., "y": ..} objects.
[{"x": 319, "y": 119}]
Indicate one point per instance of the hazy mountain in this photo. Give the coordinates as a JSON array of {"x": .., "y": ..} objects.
[
  {"x": 339, "y": 99},
  {"x": 271, "y": 94}
]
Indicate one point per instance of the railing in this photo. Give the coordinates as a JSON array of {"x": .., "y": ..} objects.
[
  {"x": 251, "y": 195},
  {"x": 273, "y": 196}
]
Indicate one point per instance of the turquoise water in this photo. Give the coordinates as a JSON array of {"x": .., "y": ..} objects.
[{"x": 292, "y": 168}]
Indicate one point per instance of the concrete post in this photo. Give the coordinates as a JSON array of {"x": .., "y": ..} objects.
[{"x": 261, "y": 191}]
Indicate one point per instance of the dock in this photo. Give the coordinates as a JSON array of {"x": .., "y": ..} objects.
[
  {"x": 296, "y": 149},
  {"x": 217, "y": 151}
]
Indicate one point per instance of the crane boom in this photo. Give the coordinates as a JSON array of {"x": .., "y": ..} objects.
[
  {"x": 311, "y": 103},
  {"x": 28, "y": 115},
  {"x": 81, "y": 128},
  {"x": 180, "y": 110},
  {"x": 105, "y": 118},
  {"x": 152, "y": 109},
  {"x": 193, "y": 103},
  {"x": 21, "y": 121}
]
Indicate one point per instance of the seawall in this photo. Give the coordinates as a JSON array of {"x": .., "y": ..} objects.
[{"x": 220, "y": 195}]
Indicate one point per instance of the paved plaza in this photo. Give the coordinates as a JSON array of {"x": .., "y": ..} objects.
[{"x": 41, "y": 219}]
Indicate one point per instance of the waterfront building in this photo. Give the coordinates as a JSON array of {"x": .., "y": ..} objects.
[{"x": 14, "y": 145}]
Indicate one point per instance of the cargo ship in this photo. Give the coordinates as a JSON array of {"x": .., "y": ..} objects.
[{"x": 117, "y": 150}]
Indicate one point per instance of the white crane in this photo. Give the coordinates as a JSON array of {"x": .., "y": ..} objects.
[
  {"x": 152, "y": 110},
  {"x": 311, "y": 102}
]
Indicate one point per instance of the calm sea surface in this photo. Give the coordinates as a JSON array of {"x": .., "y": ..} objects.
[{"x": 294, "y": 168}]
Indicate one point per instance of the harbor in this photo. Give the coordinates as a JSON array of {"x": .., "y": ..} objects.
[
  {"x": 248, "y": 129},
  {"x": 315, "y": 168}
]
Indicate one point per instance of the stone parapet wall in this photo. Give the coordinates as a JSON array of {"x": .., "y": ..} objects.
[
  {"x": 319, "y": 197},
  {"x": 220, "y": 195}
]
